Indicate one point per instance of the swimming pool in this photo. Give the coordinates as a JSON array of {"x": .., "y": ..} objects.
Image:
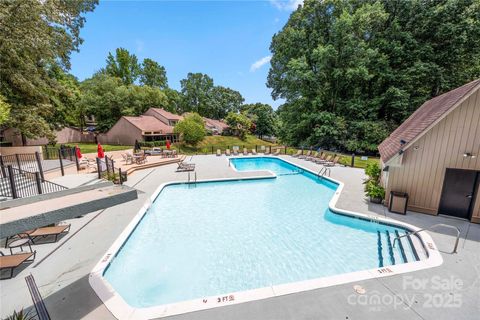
[{"x": 209, "y": 242}]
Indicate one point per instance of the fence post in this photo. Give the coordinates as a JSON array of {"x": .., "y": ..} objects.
[
  {"x": 12, "y": 182},
  {"x": 39, "y": 182},
  {"x": 120, "y": 175},
  {"x": 269, "y": 149},
  {"x": 4, "y": 173},
  {"x": 285, "y": 149},
  {"x": 76, "y": 160},
  {"x": 353, "y": 160},
  {"x": 212, "y": 149},
  {"x": 18, "y": 161},
  {"x": 99, "y": 168},
  {"x": 256, "y": 149},
  {"x": 302, "y": 151},
  {"x": 39, "y": 163},
  {"x": 61, "y": 161},
  {"x": 106, "y": 164}
]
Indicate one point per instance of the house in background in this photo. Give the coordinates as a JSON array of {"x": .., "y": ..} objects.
[
  {"x": 143, "y": 128},
  {"x": 434, "y": 155},
  {"x": 64, "y": 135},
  {"x": 215, "y": 126},
  {"x": 163, "y": 115}
]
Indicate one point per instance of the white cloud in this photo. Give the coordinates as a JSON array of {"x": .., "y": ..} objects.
[
  {"x": 259, "y": 63},
  {"x": 287, "y": 5}
]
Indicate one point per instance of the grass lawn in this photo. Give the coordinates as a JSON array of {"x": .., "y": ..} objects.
[
  {"x": 222, "y": 142},
  {"x": 92, "y": 147},
  {"x": 346, "y": 159}
]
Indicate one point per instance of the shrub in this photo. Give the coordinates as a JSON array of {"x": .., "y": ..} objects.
[
  {"x": 191, "y": 129},
  {"x": 373, "y": 188}
]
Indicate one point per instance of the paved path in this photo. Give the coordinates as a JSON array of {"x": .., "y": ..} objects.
[{"x": 61, "y": 270}]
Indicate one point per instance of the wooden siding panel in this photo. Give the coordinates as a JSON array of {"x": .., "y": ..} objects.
[{"x": 423, "y": 171}]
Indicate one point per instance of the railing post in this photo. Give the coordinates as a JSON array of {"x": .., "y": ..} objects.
[
  {"x": 106, "y": 164},
  {"x": 212, "y": 149},
  {"x": 61, "y": 162},
  {"x": 99, "y": 169},
  {"x": 39, "y": 164},
  {"x": 39, "y": 182},
  {"x": 353, "y": 160},
  {"x": 120, "y": 175},
  {"x": 256, "y": 149},
  {"x": 76, "y": 160},
  {"x": 12, "y": 182},
  {"x": 18, "y": 161},
  {"x": 4, "y": 173}
]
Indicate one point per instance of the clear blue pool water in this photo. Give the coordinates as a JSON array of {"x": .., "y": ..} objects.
[{"x": 221, "y": 237}]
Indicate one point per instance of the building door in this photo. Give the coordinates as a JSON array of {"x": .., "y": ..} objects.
[{"x": 458, "y": 193}]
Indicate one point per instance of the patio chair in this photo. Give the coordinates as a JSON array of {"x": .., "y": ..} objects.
[
  {"x": 324, "y": 159},
  {"x": 333, "y": 162},
  {"x": 299, "y": 153},
  {"x": 304, "y": 156},
  {"x": 277, "y": 152},
  {"x": 235, "y": 152},
  {"x": 219, "y": 152},
  {"x": 245, "y": 152},
  {"x": 185, "y": 166},
  {"x": 267, "y": 151},
  {"x": 312, "y": 157},
  {"x": 227, "y": 152},
  {"x": 15, "y": 260},
  {"x": 254, "y": 152},
  {"x": 43, "y": 232}
]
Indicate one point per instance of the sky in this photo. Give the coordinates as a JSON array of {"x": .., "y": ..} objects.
[{"x": 228, "y": 40}]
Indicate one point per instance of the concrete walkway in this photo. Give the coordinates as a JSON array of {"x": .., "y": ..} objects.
[{"x": 446, "y": 292}]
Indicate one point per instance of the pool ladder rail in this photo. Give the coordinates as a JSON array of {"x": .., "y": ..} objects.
[
  {"x": 323, "y": 172},
  {"x": 192, "y": 179},
  {"x": 431, "y": 227}
]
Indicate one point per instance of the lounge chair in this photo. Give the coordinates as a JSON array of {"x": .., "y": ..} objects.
[
  {"x": 267, "y": 151},
  {"x": 254, "y": 152},
  {"x": 277, "y": 152},
  {"x": 227, "y": 152},
  {"x": 219, "y": 152},
  {"x": 333, "y": 162},
  {"x": 185, "y": 166},
  {"x": 14, "y": 260},
  {"x": 45, "y": 232},
  {"x": 235, "y": 152},
  {"x": 312, "y": 157},
  {"x": 299, "y": 153},
  {"x": 245, "y": 152},
  {"x": 308, "y": 154},
  {"x": 324, "y": 159}
]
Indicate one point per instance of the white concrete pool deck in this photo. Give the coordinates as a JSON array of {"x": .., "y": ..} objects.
[{"x": 61, "y": 269}]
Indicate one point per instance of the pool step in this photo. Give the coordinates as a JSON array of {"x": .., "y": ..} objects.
[{"x": 403, "y": 252}]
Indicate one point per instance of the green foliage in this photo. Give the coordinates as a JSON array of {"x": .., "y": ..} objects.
[
  {"x": 123, "y": 65},
  {"x": 239, "y": 124},
  {"x": 34, "y": 36},
  {"x": 21, "y": 315},
  {"x": 373, "y": 188},
  {"x": 107, "y": 98},
  {"x": 264, "y": 118},
  {"x": 367, "y": 65},
  {"x": 191, "y": 129},
  {"x": 200, "y": 95},
  {"x": 4, "y": 110},
  {"x": 153, "y": 74}
]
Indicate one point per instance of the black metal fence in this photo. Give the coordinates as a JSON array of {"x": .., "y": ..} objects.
[
  {"x": 30, "y": 162},
  {"x": 16, "y": 183},
  {"x": 106, "y": 170}
]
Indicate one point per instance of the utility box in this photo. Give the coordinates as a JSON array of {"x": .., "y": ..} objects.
[{"x": 398, "y": 202}]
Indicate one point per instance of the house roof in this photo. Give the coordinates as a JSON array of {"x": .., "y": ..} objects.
[
  {"x": 166, "y": 114},
  {"x": 149, "y": 124},
  {"x": 216, "y": 123},
  {"x": 423, "y": 118}
]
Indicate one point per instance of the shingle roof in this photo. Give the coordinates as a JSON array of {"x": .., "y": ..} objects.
[
  {"x": 423, "y": 117},
  {"x": 166, "y": 114},
  {"x": 216, "y": 123},
  {"x": 149, "y": 124}
]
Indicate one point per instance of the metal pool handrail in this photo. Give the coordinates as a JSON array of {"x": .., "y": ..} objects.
[
  {"x": 323, "y": 171},
  {"x": 433, "y": 226}
]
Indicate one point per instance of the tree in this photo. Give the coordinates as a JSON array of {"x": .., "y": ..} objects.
[
  {"x": 107, "y": 98},
  {"x": 34, "y": 36},
  {"x": 153, "y": 74},
  {"x": 223, "y": 101},
  {"x": 367, "y": 65},
  {"x": 4, "y": 110},
  {"x": 123, "y": 65},
  {"x": 196, "y": 90},
  {"x": 174, "y": 100},
  {"x": 191, "y": 129},
  {"x": 239, "y": 124},
  {"x": 263, "y": 116}
]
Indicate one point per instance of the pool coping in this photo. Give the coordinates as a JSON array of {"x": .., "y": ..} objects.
[{"x": 122, "y": 310}]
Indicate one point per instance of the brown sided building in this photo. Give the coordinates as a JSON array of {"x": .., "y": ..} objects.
[{"x": 434, "y": 155}]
